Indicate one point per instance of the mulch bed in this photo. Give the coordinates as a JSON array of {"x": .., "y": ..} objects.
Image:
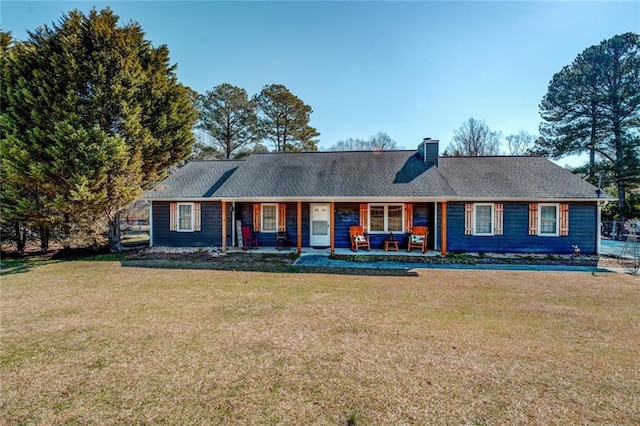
[
  {"x": 481, "y": 259},
  {"x": 208, "y": 256},
  {"x": 261, "y": 260}
]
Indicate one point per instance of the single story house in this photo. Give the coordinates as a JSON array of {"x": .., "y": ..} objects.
[{"x": 508, "y": 204}]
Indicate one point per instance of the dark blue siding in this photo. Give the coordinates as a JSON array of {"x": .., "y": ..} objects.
[
  {"x": 346, "y": 215},
  {"x": 423, "y": 216},
  {"x": 209, "y": 236},
  {"x": 516, "y": 238},
  {"x": 583, "y": 226}
]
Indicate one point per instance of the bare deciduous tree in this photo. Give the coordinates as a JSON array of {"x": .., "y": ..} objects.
[
  {"x": 521, "y": 143},
  {"x": 378, "y": 142},
  {"x": 474, "y": 138}
]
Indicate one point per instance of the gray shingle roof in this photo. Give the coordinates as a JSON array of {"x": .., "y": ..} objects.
[
  {"x": 513, "y": 177},
  {"x": 196, "y": 179},
  {"x": 336, "y": 174},
  {"x": 361, "y": 174}
]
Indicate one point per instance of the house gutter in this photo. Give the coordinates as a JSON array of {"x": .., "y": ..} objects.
[
  {"x": 414, "y": 199},
  {"x": 380, "y": 199}
]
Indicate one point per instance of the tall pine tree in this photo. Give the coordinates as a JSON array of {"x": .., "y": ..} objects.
[
  {"x": 229, "y": 118},
  {"x": 284, "y": 120},
  {"x": 593, "y": 105}
]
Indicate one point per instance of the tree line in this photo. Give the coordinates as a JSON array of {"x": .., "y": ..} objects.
[
  {"x": 93, "y": 114},
  {"x": 475, "y": 138}
]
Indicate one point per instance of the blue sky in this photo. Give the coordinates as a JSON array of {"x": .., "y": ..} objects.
[{"x": 411, "y": 69}]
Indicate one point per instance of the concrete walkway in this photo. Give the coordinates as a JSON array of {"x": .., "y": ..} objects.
[{"x": 322, "y": 260}]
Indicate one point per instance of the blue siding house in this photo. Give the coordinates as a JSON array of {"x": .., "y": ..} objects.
[{"x": 499, "y": 204}]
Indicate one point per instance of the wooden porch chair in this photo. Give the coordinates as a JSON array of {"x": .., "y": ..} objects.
[
  {"x": 249, "y": 241},
  {"x": 418, "y": 238},
  {"x": 358, "y": 238},
  {"x": 282, "y": 240}
]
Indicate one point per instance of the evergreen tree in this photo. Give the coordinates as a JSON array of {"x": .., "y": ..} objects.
[
  {"x": 284, "y": 120},
  {"x": 229, "y": 118},
  {"x": 93, "y": 114},
  {"x": 593, "y": 105}
]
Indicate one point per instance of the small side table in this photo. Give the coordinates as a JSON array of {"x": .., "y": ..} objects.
[{"x": 391, "y": 245}]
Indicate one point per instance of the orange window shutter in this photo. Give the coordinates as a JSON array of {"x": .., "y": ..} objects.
[
  {"x": 564, "y": 220},
  {"x": 533, "y": 218},
  {"x": 497, "y": 222},
  {"x": 256, "y": 217},
  {"x": 173, "y": 216},
  {"x": 282, "y": 217},
  {"x": 408, "y": 218},
  {"x": 364, "y": 216},
  {"x": 196, "y": 217},
  {"x": 468, "y": 219}
]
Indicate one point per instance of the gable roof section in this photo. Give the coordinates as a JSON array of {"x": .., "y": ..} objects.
[
  {"x": 366, "y": 174},
  {"x": 513, "y": 177},
  {"x": 196, "y": 179}
]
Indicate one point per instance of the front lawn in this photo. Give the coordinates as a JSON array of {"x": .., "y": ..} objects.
[{"x": 93, "y": 342}]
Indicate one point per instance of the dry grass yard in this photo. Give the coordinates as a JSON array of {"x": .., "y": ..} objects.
[{"x": 93, "y": 342}]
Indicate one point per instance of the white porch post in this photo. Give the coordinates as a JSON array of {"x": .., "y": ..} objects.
[
  {"x": 233, "y": 224},
  {"x": 435, "y": 225},
  {"x": 224, "y": 226},
  {"x": 150, "y": 223},
  {"x": 443, "y": 229},
  {"x": 598, "y": 236}
]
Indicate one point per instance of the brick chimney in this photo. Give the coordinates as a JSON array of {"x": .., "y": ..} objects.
[{"x": 428, "y": 151}]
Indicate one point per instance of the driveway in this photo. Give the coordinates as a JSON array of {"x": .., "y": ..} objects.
[{"x": 614, "y": 248}]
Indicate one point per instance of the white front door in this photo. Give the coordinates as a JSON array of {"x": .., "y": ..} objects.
[{"x": 320, "y": 226}]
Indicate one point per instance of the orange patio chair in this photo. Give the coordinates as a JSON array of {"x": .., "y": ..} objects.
[
  {"x": 358, "y": 238},
  {"x": 418, "y": 238}
]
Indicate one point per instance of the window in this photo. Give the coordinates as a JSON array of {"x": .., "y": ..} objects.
[
  {"x": 269, "y": 217},
  {"x": 483, "y": 217},
  {"x": 185, "y": 217},
  {"x": 386, "y": 218},
  {"x": 548, "y": 219},
  {"x": 376, "y": 218}
]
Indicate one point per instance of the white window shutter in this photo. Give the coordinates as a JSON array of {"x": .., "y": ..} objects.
[
  {"x": 533, "y": 218},
  {"x": 498, "y": 219},
  {"x": 196, "y": 217},
  {"x": 173, "y": 216},
  {"x": 468, "y": 219}
]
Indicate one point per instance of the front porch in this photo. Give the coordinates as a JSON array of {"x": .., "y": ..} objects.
[
  {"x": 337, "y": 251},
  {"x": 307, "y": 224}
]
